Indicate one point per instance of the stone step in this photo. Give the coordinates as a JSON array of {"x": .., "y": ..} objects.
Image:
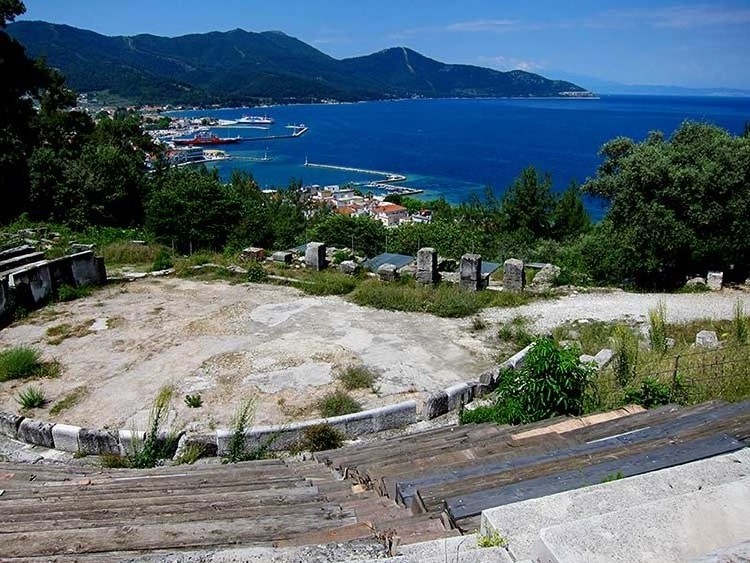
[
  {"x": 670, "y": 530},
  {"x": 521, "y": 522}
]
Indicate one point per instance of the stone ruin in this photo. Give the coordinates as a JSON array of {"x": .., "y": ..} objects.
[
  {"x": 427, "y": 266},
  {"x": 315, "y": 256},
  {"x": 471, "y": 272},
  {"x": 514, "y": 275}
]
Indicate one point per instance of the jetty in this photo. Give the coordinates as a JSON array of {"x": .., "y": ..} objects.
[
  {"x": 298, "y": 132},
  {"x": 389, "y": 177}
]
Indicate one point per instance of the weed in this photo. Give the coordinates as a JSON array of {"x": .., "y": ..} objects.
[
  {"x": 337, "y": 403},
  {"x": 320, "y": 437},
  {"x": 613, "y": 477},
  {"x": 491, "y": 540},
  {"x": 651, "y": 393},
  {"x": 70, "y": 400},
  {"x": 516, "y": 331},
  {"x": 59, "y": 333},
  {"x": 256, "y": 273},
  {"x": 625, "y": 358},
  {"x": 19, "y": 362},
  {"x": 69, "y": 293},
  {"x": 31, "y": 398},
  {"x": 357, "y": 377},
  {"x": 478, "y": 323},
  {"x": 191, "y": 453},
  {"x": 130, "y": 253},
  {"x": 740, "y": 322},
  {"x": 154, "y": 446},
  {"x": 657, "y": 334},
  {"x": 329, "y": 283},
  {"x": 194, "y": 401},
  {"x": 240, "y": 422},
  {"x": 114, "y": 461}
]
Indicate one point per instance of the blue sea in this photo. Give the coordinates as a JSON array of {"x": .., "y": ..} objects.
[{"x": 454, "y": 148}]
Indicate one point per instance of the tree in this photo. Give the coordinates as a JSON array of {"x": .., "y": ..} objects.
[
  {"x": 527, "y": 205},
  {"x": 569, "y": 218}
]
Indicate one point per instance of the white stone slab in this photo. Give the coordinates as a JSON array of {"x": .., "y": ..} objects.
[{"x": 65, "y": 437}]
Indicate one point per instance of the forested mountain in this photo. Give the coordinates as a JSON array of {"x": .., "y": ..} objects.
[{"x": 240, "y": 66}]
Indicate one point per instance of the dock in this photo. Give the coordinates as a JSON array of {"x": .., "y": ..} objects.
[
  {"x": 389, "y": 177},
  {"x": 298, "y": 132}
]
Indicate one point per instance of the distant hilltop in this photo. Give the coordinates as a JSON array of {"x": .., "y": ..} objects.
[{"x": 240, "y": 67}]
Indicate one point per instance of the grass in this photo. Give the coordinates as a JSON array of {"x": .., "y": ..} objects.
[
  {"x": 320, "y": 437},
  {"x": 69, "y": 293},
  {"x": 154, "y": 446},
  {"x": 19, "y": 362},
  {"x": 592, "y": 336},
  {"x": 443, "y": 300},
  {"x": 657, "y": 334},
  {"x": 241, "y": 420},
  {"x": 119, "y": 253},
  {"x": 495, "y": 539},
  {"x": 70, "y": 400},
  {"x": 357, "y": 377},
  {"x": 190, "y": 454},
  {"x": 194, "y": 401},
  {"x": 516, "y": 331},
  {"x": 337, "y": 403},
  {"x": 31, "y": 398},
  {"x": 59, "y": 333}
]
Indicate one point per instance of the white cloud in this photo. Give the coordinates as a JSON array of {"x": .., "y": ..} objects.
[
  {"x": 677, "y": 17},
  {"x": 500, "y": 62},
  {"x": 481, "y": 25}
]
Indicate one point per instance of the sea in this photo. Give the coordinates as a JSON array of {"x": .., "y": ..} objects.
[{"x": 456, "y": 147}]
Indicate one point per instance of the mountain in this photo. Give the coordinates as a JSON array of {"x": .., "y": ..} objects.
[{"x": 244, "y": 67}]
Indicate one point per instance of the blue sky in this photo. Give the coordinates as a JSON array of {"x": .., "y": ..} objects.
[{"x": 694, "y": 44}]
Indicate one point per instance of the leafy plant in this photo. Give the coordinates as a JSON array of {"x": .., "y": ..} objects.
[
  {"x": 194, "y": 401},
  {"x": 613, "y": 477},
  {"x": 651, "y": 393},
  {"x": 337, "y": 403},
  {"x": 357, "y": 377},
  {"x": 256, "y": 273},
  {"x": 240, "y": 422},
  {"x": 154, "y": 446},
  {"x": 478, "y": 323},
  {"x": 69, "y": 293},
  {"x": 162, "y": 261},
  {"x": 320, "y": 437},
  {"x": 31, "y": 398},
  {"x": 657, "y": 334},
  {"x": 625, "y": 358},
  {"x": 19, "y": 362},
  {"x": 495, "y": 539}
]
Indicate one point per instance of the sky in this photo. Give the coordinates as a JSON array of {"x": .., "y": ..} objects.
[{"x": 679, "y": 43}]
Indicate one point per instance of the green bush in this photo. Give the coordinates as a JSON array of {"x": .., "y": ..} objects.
[
  {"x": 651, "y": 393},
  {"x": 320, "y": 437},
  {"x": 69, "y": 293},
  {"x": 194, "y": 401},
  {"x": 256, "y": 273},
  {"x": 31, "y": 398},
  {"x": 162, "y": 261},
  {"x": 625, "y": 357},
  {"x": 357, "y": 377},
  {"x": 740, "y": 322},
  {"x": 242, "y": 418},
  {"x": 657, "y": 334},
  {"x": 154, "y": 446},
  {"x": 337, "y": 403},
  {"x": 19, "y": 362}
]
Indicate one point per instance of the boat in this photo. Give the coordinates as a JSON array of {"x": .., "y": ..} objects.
[
  {"x": 256, "y": 120},
  {"x": 207, "y": 139}
]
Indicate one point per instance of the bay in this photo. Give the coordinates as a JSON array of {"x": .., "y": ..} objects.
[{"x": 455, "y": 147}]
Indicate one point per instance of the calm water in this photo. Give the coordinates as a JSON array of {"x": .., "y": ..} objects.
[{"x": 456, "y": 147}]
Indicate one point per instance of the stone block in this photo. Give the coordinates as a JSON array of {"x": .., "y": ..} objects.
[
  {"x": 435, "y": 405},
  {"x": 714, "y": 280},
  {"x": 353, "y": 425},
  {"x": 36, "y": 432},
  {"x": 459, "y": 395},
  {"x": 207, "y": 443},
  {"x": 587, "y": 359},
  {"x": 4, "y": 298},
  {"x": 349, "y": 267},
  {"x": 517, "y": 360},
  {"x": 427, "y": 266},
  {"x": 394, "y": 416},
  {"x": 315, "y": 256},
  {"x": 470, "y": 272},
  {"x": 101, "y": 269},
  {"x": 9, "y": 423},
  {"x": 388, "y": 272},
  {"x": 33, "y": 285},
  {"x": 65, "y": 437},
  {"x": 603, "y": 357},
  {"x": 85, "y": 269},
  {"x": 707, "y": 339},
  {"x": 514, "y": 275},
  {"x": 282, "y": 257},
  {"x": 22, "y": 250},
  {"x": 489, "y": 377},
  {"x": 253, "y": 254},
  {"x": 97, "y": 442},
  {"x": 546, "y": 277},
  {"x": 61, "y": 272},
  {"x": 696, "y": 281}
]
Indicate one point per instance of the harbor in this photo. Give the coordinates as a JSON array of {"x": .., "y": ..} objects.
[{"x": 387, "y": 183}]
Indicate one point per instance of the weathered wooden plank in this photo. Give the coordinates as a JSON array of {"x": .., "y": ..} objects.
[{"x": 667, "y": 456}]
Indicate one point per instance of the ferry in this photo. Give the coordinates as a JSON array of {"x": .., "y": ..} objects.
[
  {"x": 264, "y": 120},
  {"x": 207, "y": 139}
]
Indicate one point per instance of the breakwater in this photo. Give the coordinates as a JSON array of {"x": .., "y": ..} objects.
[{"x": 389, "y": 177}]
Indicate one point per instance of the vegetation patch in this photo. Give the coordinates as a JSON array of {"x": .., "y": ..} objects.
[
  {"x": 19, "y": 362},
  {"x": 31, "y": 398},
  {"x": 156, "y": 445},
  {"x": 131, "y": 254},
  {"x": 70, "y": 400},
  {"x": 59, "y": 333},
  {"x": 516, "y": 331},
  {"x": 320, "y": 437},
  {"x": 338, "y": 403},
  {"x": 357, "y": 377},
  {"x": 495, "y": 539},
  {"x": 69, "y": 293},
  {"x": 194, "y": 401}
]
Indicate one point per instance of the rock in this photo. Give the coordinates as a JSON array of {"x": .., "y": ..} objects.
[
  {"x": 315, "y": 256},
  {"x": 707, "y": 339},
  {"x": 388, "y": 272},
  {"x": 427, "y": 269},
  {"x": 696, "y": 281},
  {"x": 669, "y": 343},
  {"x": 514, "y": 275},
  {"x": 349, "y": 267},
  {"x": 546, "y": 277},
  {"x": 471, "y": 272},
  {"x": 586, "y": 359},
  {"x": 282, "y": 257},
  {"x": 252, "y": 254},
  {"x": 604, "y": 357},
  {"x": 715, "y": 280}
]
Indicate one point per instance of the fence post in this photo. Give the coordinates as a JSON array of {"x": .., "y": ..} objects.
[{"x": 674, "y": 376}]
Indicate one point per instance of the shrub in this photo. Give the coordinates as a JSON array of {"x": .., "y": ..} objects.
[
  {"x": 69, "y": 293},
  {"x": 31, "y": 398},
  {"x": 194, "y": 401},
  {"x": 320, "y": 437},
  {"x": 337, "y": 403},
  {"x": 357, "y": 377},
  {"x": 256, "y": 273},
  {"x": 162, "y": 261},
  {"x": 651, "y": 393},
  {"x": 657, "y": 320},
  {"x": 19, "y": 362}
]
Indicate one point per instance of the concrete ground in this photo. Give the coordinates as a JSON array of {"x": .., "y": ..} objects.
[{"x": 229, "y": 343}]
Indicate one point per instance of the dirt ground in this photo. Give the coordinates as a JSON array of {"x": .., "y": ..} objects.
[
  {"x": 229, "y": 343},
  {"x": 118, "y": 347}
]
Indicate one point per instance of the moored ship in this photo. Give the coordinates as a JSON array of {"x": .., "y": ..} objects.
[
  {"x": 207, "y": 139},
  {"x": 256, "y": 120}
]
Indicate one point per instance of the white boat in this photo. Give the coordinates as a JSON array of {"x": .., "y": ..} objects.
[
  {"x": 256, "y": 120},
  {"x": 227, "y": 122}
]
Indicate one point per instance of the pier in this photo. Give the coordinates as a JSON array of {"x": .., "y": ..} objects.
[
  {"x": 390, "y": 177},
  {"x": 298, "y": 132}
]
